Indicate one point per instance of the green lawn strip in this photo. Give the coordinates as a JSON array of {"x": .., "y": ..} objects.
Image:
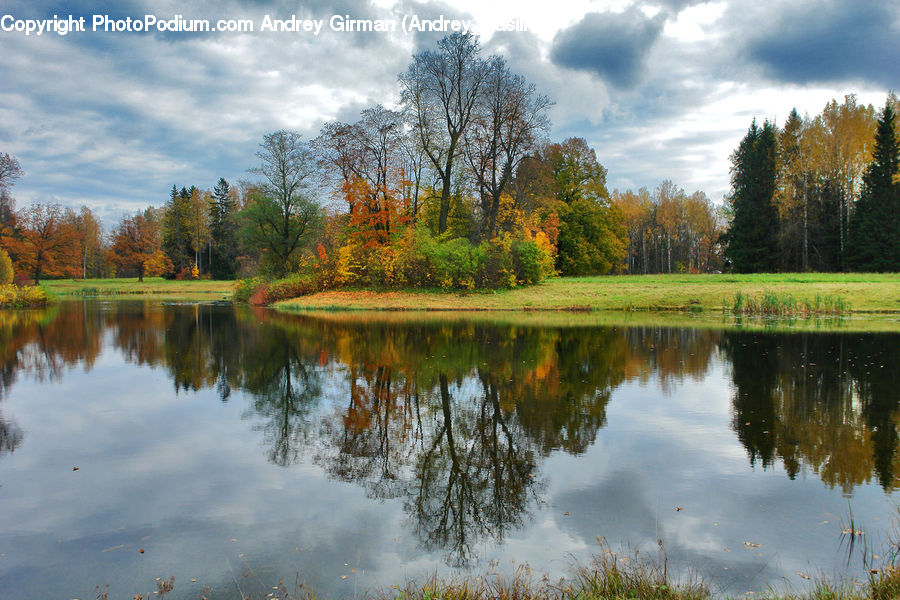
[
  {"x": 154, "y": 286},
  {"x": 863, "y": 293}
]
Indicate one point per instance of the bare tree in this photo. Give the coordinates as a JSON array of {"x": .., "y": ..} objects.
[
  {"x": 440, "y": 92},
  {"x": 10, "y": 170},
  {"x": 509, "y": 118}
]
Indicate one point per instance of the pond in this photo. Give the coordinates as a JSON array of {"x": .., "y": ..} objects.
[{"x": 231, "y": 447}]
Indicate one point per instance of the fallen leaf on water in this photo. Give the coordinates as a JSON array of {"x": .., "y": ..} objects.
[
  {"x": 141, "y": 550},
  {"x": 343, "y": 577},
  {"x": 566, "y": 513},
  {"x": 74, "y": 468},
  {"x": 803, "y": 575},
  {"x": 353, "y": 570},
  {"x": 752, "y": 545},
  {"x": 727, "y": 549},
  {"x": 678, "y": 509},
  {"x": 194, "y": 580},
  {"x": 875, "y": 556},
  {"x": 233, "y": 539}
]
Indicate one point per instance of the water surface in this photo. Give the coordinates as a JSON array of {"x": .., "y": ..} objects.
[{"x": 238, "y": 446}]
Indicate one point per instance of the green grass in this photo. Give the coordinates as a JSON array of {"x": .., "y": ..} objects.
[
  {"x": 155, "y": 286},
  {"x": 863, "y": 292}
]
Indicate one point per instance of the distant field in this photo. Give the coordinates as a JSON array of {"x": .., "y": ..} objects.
[
  {"x": 155, "y": 286},
  {"x": 865, "y": 292}
]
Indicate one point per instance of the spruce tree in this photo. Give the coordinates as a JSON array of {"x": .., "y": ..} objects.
[
  {"x": 874, "y": 243},
  {"x": 223, "y": 230},
  {"x": 752, "y": 238},
  {"x": 176, "y": 241}
]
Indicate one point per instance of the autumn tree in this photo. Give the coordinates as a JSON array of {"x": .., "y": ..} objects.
[
  {"x": 6, "y": 268},
  {"x": 441, "y": 90},
  {"x": 198, "y": 224},
  {"x": 281, "y": 217},
  {"x": 136, "y": 245},
  {"x": 42, "y": 244},
  {"x": 89, "y": 238},
  {"x": 790, "y": 195}
]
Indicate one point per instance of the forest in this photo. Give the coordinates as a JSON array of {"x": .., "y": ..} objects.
[{"x": 461, "y": 187}]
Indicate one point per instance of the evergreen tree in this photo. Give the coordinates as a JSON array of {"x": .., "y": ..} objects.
[
  {"x": 223, "y": 232},
  {"x": 752, "y": 238},
  {"x": 176, "y": 239},
  {"x": 874, "y": 242}
]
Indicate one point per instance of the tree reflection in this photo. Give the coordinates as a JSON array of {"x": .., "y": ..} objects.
[
  {"x": 454, "y": 419},
  {"x": 824, "y": 401}
]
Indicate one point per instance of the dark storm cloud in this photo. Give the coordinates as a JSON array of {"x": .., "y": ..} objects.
[
  {"x": 830, "y": 41},
  {"x": 611, "y": 45}
]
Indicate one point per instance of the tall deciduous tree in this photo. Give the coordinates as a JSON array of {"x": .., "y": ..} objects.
[
  {"x": 88, "y": 236},
  {"x": 441, "y": 91},
  {"x": 510, "y": 114},
  {"x": 281, "y": 217},
  {"x": 752, "y": 238},
  {"x": 874, "y": 243}
]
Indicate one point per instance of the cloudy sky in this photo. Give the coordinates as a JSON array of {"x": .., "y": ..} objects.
[{"x": 661, "y": 89}]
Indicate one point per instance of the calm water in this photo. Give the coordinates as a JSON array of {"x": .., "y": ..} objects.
[{"x": 237, "y": 447}]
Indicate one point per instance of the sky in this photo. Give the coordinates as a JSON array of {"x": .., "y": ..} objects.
[{"x": 660, "y": 89}]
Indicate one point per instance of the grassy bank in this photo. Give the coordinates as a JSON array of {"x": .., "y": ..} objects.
[
  {"x": 151, "y": 286},
  {"x": 608, "y": 577},
  {"x": 861, "y": 292}
]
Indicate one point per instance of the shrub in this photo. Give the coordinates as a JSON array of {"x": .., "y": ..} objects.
[
  {"x": 12, "y": 296},
  {"x": 456, "y": 264},
  {"x": 415, "y": 257},
  {"x": 527, "y": 260},
  {"x": 496, "y": 270},
  {"x": 243, "y": 288}
]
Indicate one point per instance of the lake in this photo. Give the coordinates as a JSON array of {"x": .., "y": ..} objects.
[{"x": 231, "y": 447}]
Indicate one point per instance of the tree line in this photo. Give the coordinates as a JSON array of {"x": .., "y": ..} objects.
[
  {"x": 818, "y": 194},
  {"x": 459, "y": 187}
]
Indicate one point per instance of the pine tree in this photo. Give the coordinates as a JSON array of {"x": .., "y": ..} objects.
[
  {"x": 223, "y": 232},
  {"x": 752, "y": 238},
  {"x": 874, "y": 243}
]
